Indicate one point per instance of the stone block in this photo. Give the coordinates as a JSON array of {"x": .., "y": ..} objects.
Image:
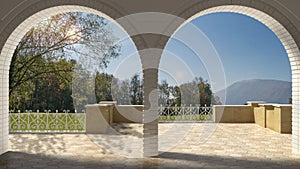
[
  {"x": 98, "y": 118},
  {"x": 270, "y": 118}
]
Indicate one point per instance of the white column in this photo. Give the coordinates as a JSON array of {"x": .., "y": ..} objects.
[{"x": 4, "y": 111}]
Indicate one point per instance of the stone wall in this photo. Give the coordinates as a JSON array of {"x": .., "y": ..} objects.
[
  {"x": 100, "y": 116},
  {"x": 233, "y": 114},
  {"x": 280, "y": 118},
  {"x": 128, "y": 114},
  {"x": 277, "y": 117}
]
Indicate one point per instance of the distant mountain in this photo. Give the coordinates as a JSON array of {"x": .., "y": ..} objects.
[{"x": 271, "y": 91}]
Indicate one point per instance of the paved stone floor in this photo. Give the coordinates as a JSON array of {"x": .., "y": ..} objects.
[{"x": 187, "y": 145}]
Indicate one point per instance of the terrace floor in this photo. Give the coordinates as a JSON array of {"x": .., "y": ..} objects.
[{"x": 193, "y": 146}]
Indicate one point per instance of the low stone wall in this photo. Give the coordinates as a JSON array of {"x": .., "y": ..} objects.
[
  {"x": 98, "y": 118},
  {"x": 128, "y": 114},
  {"x": 277, "y": 117},
  {"x": 233, "y": 114}
]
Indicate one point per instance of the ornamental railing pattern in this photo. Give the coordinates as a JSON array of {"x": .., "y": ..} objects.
[
  {"x": 185, "y": 114},
  {"x": 47, "y": 121}
]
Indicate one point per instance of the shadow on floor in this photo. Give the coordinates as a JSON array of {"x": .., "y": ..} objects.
[
  {"x": 165, "y": 160},
  {"x": 206, "y": 161}
]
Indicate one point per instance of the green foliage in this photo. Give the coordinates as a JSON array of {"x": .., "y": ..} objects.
[
  {"x": 103, "y": 83},
  {"x": 168, "y": 95},
  {"x": 121, "y": 92},
  {"x": 83, "y": 87},
  {"x": 124, "y": 92},
  {"x": 42, "y": 74},
  {"x": 197, "y": 92},
  {"x": 51, "y": 90},
  {"x": 205, "y": 93},
  {"x": 136, "y": 90}
]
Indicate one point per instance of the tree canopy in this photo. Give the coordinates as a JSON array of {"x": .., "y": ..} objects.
[
  {"x": 43, "y": 63},
  {"x": 197, "y": 92}
]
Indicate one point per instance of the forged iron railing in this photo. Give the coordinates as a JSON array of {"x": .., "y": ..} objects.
[
  {"x": 29, "y": 121},
  {"x": 185, "y": 114}
]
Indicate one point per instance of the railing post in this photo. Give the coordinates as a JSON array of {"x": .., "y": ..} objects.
[
  {"x": 47, "y": 119},
  {"x": 28, "y": 119},
  {"x": 19, "y": 120},
  {"x": 84, "y": 120},
  {"x": 66, "y": 115},
  {"x": 56, "y": 120},
  {"x": 75, "y": 120}
]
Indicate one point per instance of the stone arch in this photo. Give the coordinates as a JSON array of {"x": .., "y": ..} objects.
[
  {"x": 283, "y": 28},
  {"x": 15, "y": 34}
]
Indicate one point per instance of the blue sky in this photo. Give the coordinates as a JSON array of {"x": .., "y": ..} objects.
[
  {"x": 247, "y": 48},
  {"x": 226, "y": 46}
]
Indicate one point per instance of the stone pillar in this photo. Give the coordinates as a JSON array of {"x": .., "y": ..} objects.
[
  {"x": 150, "y": 121},
  {"x": 261, "y": 115},
  {"x": 255, "y": 108},
  {"x": 150, "y": 60},
  {"x": 269, "y": 116},
  {"x": 283, "y": 118}
]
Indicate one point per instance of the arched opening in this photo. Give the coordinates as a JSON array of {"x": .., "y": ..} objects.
[
  {"x": 285, "y": 37},
  {"x": 279, "y": 30},
  {"x": 116, "y": 74}
]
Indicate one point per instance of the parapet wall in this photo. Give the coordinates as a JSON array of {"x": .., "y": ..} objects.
[
  {"x": 128, "y": 114},
  {"x": 233, "y": 114},
  {"x": 100, "y": 116},
  {"x": 277, "y": 117}
]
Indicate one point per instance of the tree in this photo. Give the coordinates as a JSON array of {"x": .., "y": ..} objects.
[
  {"x": 83, "y": 87},
  {"x": 164, "y": 93},
  {"x": 121, "y": 92},
  {"x": 47, "y": 91},
  {"x": 197, "y": 92},
  {"x": 205, "y": 93},
  {"x": 103, "y": 84},
  {"x": 136, "y": 90},
  {"x": 108, "y": 88},
  {"x": 189, "y": 93},
  {"x": 168, "y": 95},
  {"x": 175, "y": 91},
  {"x": 60, "y": 37}
]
